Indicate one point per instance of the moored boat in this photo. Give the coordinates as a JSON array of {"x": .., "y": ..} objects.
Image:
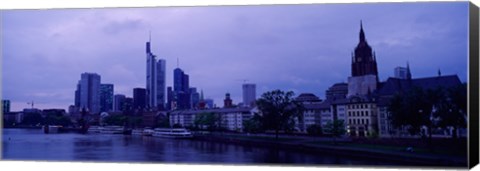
[{"x": 172, "y": 133}]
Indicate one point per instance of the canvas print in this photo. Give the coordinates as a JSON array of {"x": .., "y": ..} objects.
[{"x": 367, "y": 84}]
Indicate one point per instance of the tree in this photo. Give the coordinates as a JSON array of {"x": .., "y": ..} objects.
[
  {"x": 253, "y": 125},
  {"x": 336, "y": 128},
  {"x": 278, "y": 110},
  {"x": 210, "y": 121},
  {"x": 452, "y": 110},
  {"x": 314, "y": 129}
]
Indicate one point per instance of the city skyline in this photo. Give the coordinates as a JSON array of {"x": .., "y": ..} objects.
[{"x": 220, "y": 52}]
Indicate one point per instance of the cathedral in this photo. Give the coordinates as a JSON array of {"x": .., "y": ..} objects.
[{"x": 364, "y": 78}]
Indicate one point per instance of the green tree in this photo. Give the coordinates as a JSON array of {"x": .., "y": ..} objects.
[
  {"x": 453, "y": 109},
  {"x": 278, "y": 110},
  {"x": 210, "y": 121},
  {"x": 335, "y": 128},
  {"x": 162, "y": 121},
  {"x": 253, "y": 125},
  {"x": 315, "y": 129}
]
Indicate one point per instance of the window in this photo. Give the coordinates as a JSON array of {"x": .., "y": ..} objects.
[
  {"x": 367, "y": 121},
  {"x": 361, "y": 113},
  {"x": 366, "y": 113}
]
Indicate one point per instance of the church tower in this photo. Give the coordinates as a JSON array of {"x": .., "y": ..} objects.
[
  {"x": 364, "y": 78},
  {"x": 363, "y": 60}
]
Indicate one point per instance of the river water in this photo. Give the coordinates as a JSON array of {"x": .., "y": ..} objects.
[{"x": 33, "y": 144}]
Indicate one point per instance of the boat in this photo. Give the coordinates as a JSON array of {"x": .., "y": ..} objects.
[
  {"x": 147, "y": 132},
  {"x": 95, "y": 129},
  {"x": 51, "y": 129},
  {"x": 172, "y": 133},
  {"x": 112, "y": 130},
  {"x": 137, "y": 132}
]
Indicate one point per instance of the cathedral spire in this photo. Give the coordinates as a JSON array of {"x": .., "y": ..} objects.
[{"x": 362, "y": 34}]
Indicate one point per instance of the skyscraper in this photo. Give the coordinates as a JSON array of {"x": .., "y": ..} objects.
[
  {"x": 5, "y": 106},
  {"x": 139, "y": 98},
  {"x": 119, "y": 102},
  {"x": 89, "y": 92},
  {"x": 249, "y": 94},
  {"x": 156, "y": 81},
  {"x": 194, "y": 98},
  {"x": 181, "y": 89},
  {"x": 106, "y": 97},
  {"x": 170, "y": 98}
]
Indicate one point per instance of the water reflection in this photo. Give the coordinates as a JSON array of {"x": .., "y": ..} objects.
[{"x": 34, "y": 145}]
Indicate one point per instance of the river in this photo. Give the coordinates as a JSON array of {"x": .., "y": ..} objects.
[{"x": 33, "y": 144}]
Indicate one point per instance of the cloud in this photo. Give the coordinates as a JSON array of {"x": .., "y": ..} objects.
[{"x": 306, "y": 48}]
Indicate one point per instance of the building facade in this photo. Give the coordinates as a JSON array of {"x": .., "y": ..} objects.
[
  {"x": 89, "y": 92},
  {"x": 181, "y": 89},
  {"x": 119, "y": 101},
  {"x": 249, "y": 93},
  {"x": 5, "y": 106},
  {"x": 106, "y": 97},
  {"x": 139, "y": 98}
]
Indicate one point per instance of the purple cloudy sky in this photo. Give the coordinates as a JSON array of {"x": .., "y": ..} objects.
[{"x": 304, "y": 48}]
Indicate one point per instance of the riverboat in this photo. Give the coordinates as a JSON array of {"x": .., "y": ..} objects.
[
  {"x": 147, "y": 132},
  {"x": 95, "y": 129},
  {"x": 112, "y": 130},
  {"x": 172, "y": 133}
]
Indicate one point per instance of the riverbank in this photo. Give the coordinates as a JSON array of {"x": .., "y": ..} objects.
[{"x": 344, "y": 147}]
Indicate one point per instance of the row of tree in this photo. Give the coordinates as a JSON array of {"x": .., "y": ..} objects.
[{"x": 432, "y": 108}]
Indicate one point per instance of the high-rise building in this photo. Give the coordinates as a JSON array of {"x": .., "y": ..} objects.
[
  {"x": 89, "y": 92},
  {"x": 106, "y": 97},
  {"x": 194, "y": 98},
  {"x": 119, "y": 101},
  {"x": 156, "y": 81},
  {"x": 128, "y": 104},
  {"x": 181, "y": 89},
  {"x": 77, "y": 95},
  {"x": 170, "y": 98},
  {"x": 5, "y": 106},
  {"x": 249, "y": 94},
  {"x": 364, "y": 77},
  {"x": 139, "y": 98}
]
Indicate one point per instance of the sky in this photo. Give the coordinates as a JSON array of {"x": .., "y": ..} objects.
[{"x": 300, "y": 48}]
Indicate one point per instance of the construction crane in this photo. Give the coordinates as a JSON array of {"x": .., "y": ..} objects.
[{"x": 31, "y": 103}]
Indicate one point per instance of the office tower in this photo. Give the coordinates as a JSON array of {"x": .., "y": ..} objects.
[
  {"x": 249, "y": 94},
  {"x": 139, "y": 98},
  {"x": 119, "y": 102},
  {"x": 156, "y": 81},
  {"x": 77, "y": 95},
  {"x": 194, "y": 98},
  {"x": 106, "y": 97},
  {"x": 209, "y": 103},
  {"x": 6, "y": 106},
  {"x": 170, "y": 98},
  {"x": 181, "y": 89},
  {"x": 89, "y": 92},
  {"x": 128, "y": 105}
]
